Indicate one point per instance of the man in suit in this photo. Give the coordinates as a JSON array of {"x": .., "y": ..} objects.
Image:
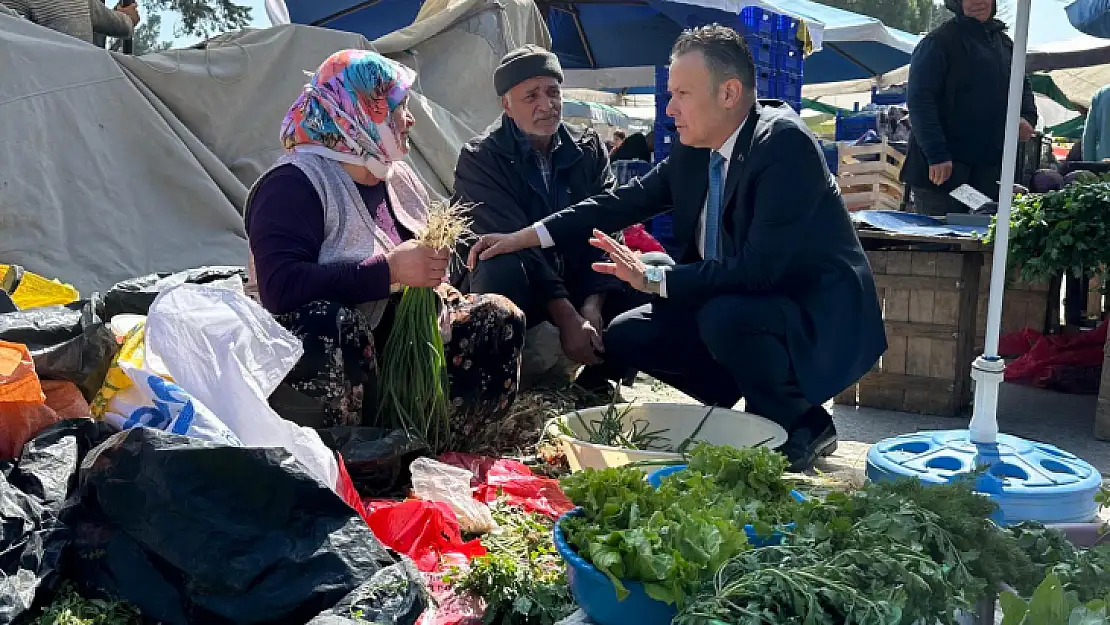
[{"x": 772, "y": 298}]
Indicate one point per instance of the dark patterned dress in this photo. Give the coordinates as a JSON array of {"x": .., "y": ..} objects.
[{"x": 339, "y": 367}]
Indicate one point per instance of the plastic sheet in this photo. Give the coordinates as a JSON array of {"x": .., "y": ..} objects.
[
  {"x": 426, "y": 531},
  {"x": 377, "y": 459},
  {"x": 515, "y": 481},
  {"x": 134, "y": 296},
  {"x": 1064, "y": 362},
  {"x": 436, "y": 481},
  {"x": 34, "y": 517},
  {"x": 68, "y": 342},
  {"x": 194, "y": 532}
]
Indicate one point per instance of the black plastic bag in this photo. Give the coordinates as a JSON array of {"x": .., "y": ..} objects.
[
  {"x": 71, "y": 342},
  {"x": 135, "y": 296},
  {"x": 194, "y": 532},
  {"x": 377, "y": 459},
  {"x": 386, "y": 598},
  {"x": 34, "y": 526}
]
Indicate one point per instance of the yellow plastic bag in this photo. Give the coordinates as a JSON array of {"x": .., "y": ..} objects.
[{"x": 31, "y": 290}]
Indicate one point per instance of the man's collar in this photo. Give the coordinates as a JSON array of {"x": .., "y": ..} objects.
[{"x": 730, "y": 143}]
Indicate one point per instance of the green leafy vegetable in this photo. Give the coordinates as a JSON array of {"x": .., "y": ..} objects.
[
  {"x": 522, "y": 579},
  {"x": 70, "y": 608}
]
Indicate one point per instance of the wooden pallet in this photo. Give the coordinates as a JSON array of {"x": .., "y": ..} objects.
[{"x": 879, "y": 158}]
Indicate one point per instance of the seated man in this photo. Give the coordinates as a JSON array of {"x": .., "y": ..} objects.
[
  {"x": 527, "y": 166},
  {"x": 83, "y": 19},
  {"x": 772, "y": 298}
]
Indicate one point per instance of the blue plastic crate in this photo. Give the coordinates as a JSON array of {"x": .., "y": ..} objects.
[
  {"x": 852, "y": 127},
  {"x": 788, "y": 58},
  {"x": 756, "y": 21},
  {"x": 662, "y": 228},
  {"x": 786, "y": 28},
  {"x": 765, "y": 82},
  {"x": 788, "y": 87},
  {"x": 888, "y": 97},
  {"x": 762, "y": 49},
  {"x": 662, "y": 73}
]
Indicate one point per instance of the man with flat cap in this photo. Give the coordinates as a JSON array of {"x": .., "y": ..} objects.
[{"x": 526, "y": 166}]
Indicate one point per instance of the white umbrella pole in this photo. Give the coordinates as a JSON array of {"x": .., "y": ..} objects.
[{"x": 988, "y": 369}]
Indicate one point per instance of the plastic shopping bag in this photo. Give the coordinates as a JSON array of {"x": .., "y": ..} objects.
[
  {"x": 137, "y": 393},
  {"x": 435, "y": 481},
  {"x": 229, "y": 354}
]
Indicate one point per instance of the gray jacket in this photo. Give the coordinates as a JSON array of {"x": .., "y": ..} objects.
[{"x": 77, "y": 18}]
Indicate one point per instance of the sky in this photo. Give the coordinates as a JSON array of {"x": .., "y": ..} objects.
[{"x": 171, "y": 20}]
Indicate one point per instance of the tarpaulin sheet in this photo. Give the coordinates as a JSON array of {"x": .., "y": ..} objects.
[
  {"x": 911, "y": 223},
  {"x": 114, "y": 166}
]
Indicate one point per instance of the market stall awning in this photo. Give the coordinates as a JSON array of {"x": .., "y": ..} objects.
[
  {"x": 593, "y": 34},
  {"x": 1091, "y": 17}
]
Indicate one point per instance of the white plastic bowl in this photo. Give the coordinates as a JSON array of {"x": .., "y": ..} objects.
[{"x": 723, "y": 427}]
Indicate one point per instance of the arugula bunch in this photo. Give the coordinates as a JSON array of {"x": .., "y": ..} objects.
[{"x": 673, "y": 539}]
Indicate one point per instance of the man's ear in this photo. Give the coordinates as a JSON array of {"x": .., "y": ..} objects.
[
  {"x": 505, "y": 103},
  {"x": 733, "y": 92}
]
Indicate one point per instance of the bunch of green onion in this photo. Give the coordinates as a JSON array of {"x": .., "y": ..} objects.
[{"x": 413, "y": 387}]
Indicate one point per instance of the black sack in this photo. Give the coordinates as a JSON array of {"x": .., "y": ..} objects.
[
  {"x": 194, "y": 532},
  {"x": 134, "y": 296},
  {"x": 70, "y": 342},
  {"x": 376, "y": 459},
  {"x": 34, "y": 525},
  {"x": 387, "y": 598}
]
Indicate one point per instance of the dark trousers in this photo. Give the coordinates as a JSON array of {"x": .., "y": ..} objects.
[
  {"x": 728, "y": 347},
  {"x": 508, "y": 275},
  {"x": 937, "y": 203}
]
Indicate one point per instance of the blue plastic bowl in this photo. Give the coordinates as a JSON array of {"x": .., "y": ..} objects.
[{"x": 597, "y": 596}]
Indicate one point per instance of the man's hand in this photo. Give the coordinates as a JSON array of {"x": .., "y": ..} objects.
[
  {"x": 591, "y": 312},
  {"x": 940, "y": 173},
  {"x": 1025, "y": 130},
  {"x": 581, "y": 341},
  {"x": 131, "y": 11},
  {"x": 626, "y": 264},
  {"x": 493, "y": 245}
]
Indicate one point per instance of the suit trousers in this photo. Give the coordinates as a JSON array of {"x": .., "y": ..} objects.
[{"x": 723, "y": 349}]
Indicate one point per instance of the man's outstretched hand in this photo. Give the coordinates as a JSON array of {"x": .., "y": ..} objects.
[
  {"x": 626, "y": 264},
  {"x": 493, "y": 245}
]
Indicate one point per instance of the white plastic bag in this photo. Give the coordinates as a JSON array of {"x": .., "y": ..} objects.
[
  {"x": 229, "y": 354},
  {"x": 436, "y": 481},
  {"x": 137, "y": 393}
]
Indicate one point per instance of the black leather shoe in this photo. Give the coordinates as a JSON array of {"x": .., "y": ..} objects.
[{"x": 813, "y": 437}]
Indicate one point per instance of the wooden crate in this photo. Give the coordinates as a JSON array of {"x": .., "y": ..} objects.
[
  {"x": 870, "y": 184},
  {"x": 1024, "y": 305},
  {"x": 929, "y": 304}
]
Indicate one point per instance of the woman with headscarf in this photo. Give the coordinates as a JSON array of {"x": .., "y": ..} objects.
[{"x": 331, "y": 228}]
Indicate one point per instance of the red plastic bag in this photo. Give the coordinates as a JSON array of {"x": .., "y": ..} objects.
[
  {"x": 1038, "y": 366},
  {"x": 524, "y": 489},
  {"x": 346, "y": 489},
  {"x": 638, "y": 239},
  {"x": 426, "y": 531},
  {"x": 515, "y": 481},
  {"x": 449, "y": 607},
  {"x": 1018, "y": 343}
]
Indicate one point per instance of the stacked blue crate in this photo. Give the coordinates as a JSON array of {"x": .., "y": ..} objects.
[{"x": 777, "y": 52}]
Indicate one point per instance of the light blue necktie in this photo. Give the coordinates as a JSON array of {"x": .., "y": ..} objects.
[{"x": 713, "y": 206}]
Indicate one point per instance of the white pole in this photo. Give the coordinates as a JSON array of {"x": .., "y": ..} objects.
[{"x": 988, "y": 368}]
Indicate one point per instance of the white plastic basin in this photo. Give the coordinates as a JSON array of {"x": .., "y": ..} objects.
[{"x": 723, "y": 427}]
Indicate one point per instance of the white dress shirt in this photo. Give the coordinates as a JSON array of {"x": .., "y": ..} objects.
[{"x": 726, "y": 151}]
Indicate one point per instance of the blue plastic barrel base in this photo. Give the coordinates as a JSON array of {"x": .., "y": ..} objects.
[{"x": 1030, "y": 481}]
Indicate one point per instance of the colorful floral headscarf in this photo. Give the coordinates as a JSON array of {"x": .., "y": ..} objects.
[{"x": 345, "y": 111}]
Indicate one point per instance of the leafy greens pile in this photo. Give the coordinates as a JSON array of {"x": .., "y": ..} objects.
[
  {"x": 522, "y": 578},
  {"x": 893, "y": 553},
  {"x": 1059, "y": 232},
  {"x": 674, "y": 538}
]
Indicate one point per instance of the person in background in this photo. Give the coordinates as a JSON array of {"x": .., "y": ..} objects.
[
  {"x": 957, "y": 97},
  {"x": 526, "y": 166},
  {"x": 619, "y": 137},
  {"x": 330, "y": 228},
  {"x": 83, "y": 19},
  {"x": 632, "y": 159},
  {"x": 772, "y": 299},
  {"x": 1096, "y": 131}
]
